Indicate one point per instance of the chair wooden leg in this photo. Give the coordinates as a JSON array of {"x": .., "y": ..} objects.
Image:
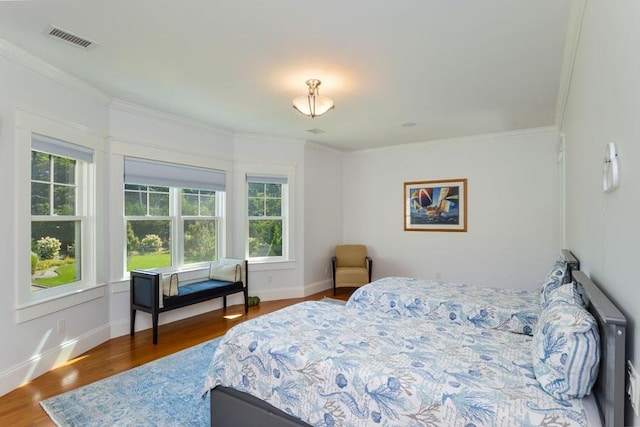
[
  {"x": 133, "y": 322},
  {"x": 154, "y": 320}
]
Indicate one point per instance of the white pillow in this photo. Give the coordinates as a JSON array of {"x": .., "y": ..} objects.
[
  {"x": 169, "y": 284},
  {"x": 566, "y": 351},
  {"x": 225, "y": 272}
]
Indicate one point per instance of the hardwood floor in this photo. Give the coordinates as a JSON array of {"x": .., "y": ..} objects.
[{"x": 21, "y": 407}]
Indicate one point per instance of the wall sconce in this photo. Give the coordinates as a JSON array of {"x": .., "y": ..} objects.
[
  {"x": 610, "y": 170},
  {"x": 313, "y": 104}
]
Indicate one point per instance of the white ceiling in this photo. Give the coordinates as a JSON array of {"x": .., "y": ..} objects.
[{"x": 452, "y": 67}]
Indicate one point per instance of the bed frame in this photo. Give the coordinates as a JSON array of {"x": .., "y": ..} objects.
[
  {"x": 232, "y": 407},
  {"x": 572, "y": 263},
  {"x": 609, "y": 388}
]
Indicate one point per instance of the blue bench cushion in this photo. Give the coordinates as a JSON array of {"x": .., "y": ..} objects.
[{"x": 201, "y": 286}]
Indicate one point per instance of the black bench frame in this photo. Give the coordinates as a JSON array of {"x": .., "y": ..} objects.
[{"x": 145, "y": 292}]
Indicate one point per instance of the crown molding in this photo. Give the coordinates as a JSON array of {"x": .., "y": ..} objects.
[
  {"x": 312, "y": 145},
  {"x": 22, "y": 57},
  {"x": 462, "y": 139}
]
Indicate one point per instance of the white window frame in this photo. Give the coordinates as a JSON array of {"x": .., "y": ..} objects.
[
  {"x": 83, "y": 171},
  {"x": 33, "y": 304},
  {"x": 288, "y": 209},
  {"x": 284, "y": 199},
  {"x": 177, "y": 220},
  {"x": 220, "y": 200}
]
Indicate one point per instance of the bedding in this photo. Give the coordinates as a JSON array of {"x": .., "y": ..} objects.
[
  {"x": 511, "y": 310},
  {"x": 337, "y": 365}
]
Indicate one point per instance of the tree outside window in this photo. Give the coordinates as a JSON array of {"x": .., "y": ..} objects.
[
  {"x": 55, "y": 223},
  {"x": 200, "y": 226},
  {"x": 152, "y": 224},
  {"x": 265, "y": 206}
]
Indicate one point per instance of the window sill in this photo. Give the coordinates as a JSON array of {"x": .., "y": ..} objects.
[
  {"x": 271, "y": 265},
  {"x": 45, "y": 306}
]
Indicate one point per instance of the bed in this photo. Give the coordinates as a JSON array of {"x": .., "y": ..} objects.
[
  {"x": 332, "y": 365},
  {"x": 512, "y": 310}
]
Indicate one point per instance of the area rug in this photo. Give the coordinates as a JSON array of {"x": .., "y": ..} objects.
[{"x": 165, "y": 392}]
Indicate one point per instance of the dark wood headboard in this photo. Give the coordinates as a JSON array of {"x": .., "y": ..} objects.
[{"x": 609, "y": 388}]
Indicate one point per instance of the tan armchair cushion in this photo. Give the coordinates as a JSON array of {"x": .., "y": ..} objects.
[
  {"x": 351, "y": 256},
  {"x": 351, "y": 276}
]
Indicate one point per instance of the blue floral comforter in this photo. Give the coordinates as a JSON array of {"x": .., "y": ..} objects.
[
  {"x": 331, "y": 365},
  {"x": 505, "y": 309}
]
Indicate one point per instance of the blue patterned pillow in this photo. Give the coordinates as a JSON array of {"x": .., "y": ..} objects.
[
  {"x": 567, "y": 293},
  {"x": 566, "y": 350},
  {"x": 556, "y": 277}
]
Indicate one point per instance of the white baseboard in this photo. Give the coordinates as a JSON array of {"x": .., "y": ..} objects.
[
  {"x": 26, "y": 371},
  {"x": 314, "y": 288},
  {"x": 143, "y": 320},
  {"x": 120, "y": 328},
  {"x": 297, "y": 292}
]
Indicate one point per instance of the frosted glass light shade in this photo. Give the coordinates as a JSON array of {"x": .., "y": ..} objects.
[{"x": 313, "y": 104}]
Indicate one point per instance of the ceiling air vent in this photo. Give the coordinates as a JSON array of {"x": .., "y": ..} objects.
[
  {"x": 315, "y": 131},
  {"x": 68, "y": 37}
]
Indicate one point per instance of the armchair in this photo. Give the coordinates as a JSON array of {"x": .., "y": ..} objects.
[{"x": 351, "y": 267}]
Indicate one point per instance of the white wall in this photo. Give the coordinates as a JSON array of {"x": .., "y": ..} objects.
[
  {"x": 323, "y": 213},
  {"x": 131, "y": 130},
  {"x": 512, "y": 236},
  {"x": 33, "y": 347},
  {"x": 260, "y": 154},
  {"x": 603, "y": 106},
  {"x": 139, "y": 132}
]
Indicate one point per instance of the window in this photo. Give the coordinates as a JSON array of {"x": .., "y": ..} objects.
[
  {"x": 173, "y": 214},
  {"x": 59, "y": 211},
  {"x": 266, "y": 211}
]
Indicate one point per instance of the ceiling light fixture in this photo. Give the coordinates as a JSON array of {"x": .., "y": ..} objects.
[{"x": 313, "y": 104}]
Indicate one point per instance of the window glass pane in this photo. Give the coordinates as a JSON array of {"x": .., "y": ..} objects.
[
  {"x": 137, "y": 187},
  {"x": 208, "y": 203},
  {"x": 64, "y": 200},
  {"x": 135, "y": 203},
  {"x": 40, "y": 166},
  {"x": 199, "y": 241},
  {"x": 256, "y": 207},
  {"x": 274, "y": 207},
  {"x": 159, "y": 189},
  {"x": 256, "y": 189},
  {"x": 274, "y": 190},
  {"x": 148, "y": 244},
  {"x": 64, "y": 170},
  {"x": 189, "y": 202},
  {"x": 55, "y": 253},
  {"x": 40, "y": 199},
  {"x": 265, "y": 238},
  {"x": 158, "y": 204},
  {"x": 198, "y": 202}
]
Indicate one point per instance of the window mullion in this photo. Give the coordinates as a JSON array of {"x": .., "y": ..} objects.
[
  {"x": 51, "y": 186},
  {"x": 177, "y": 226}
]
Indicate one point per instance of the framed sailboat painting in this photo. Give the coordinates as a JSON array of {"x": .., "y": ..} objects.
[{"x": 435, "y": 205}]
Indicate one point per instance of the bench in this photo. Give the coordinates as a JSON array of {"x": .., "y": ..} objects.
[{"x": 150, "y": 293}]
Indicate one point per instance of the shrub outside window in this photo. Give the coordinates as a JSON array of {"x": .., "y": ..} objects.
[
  {"x": 170, "y": 225},
  {"x": 56, "y": 220}
]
